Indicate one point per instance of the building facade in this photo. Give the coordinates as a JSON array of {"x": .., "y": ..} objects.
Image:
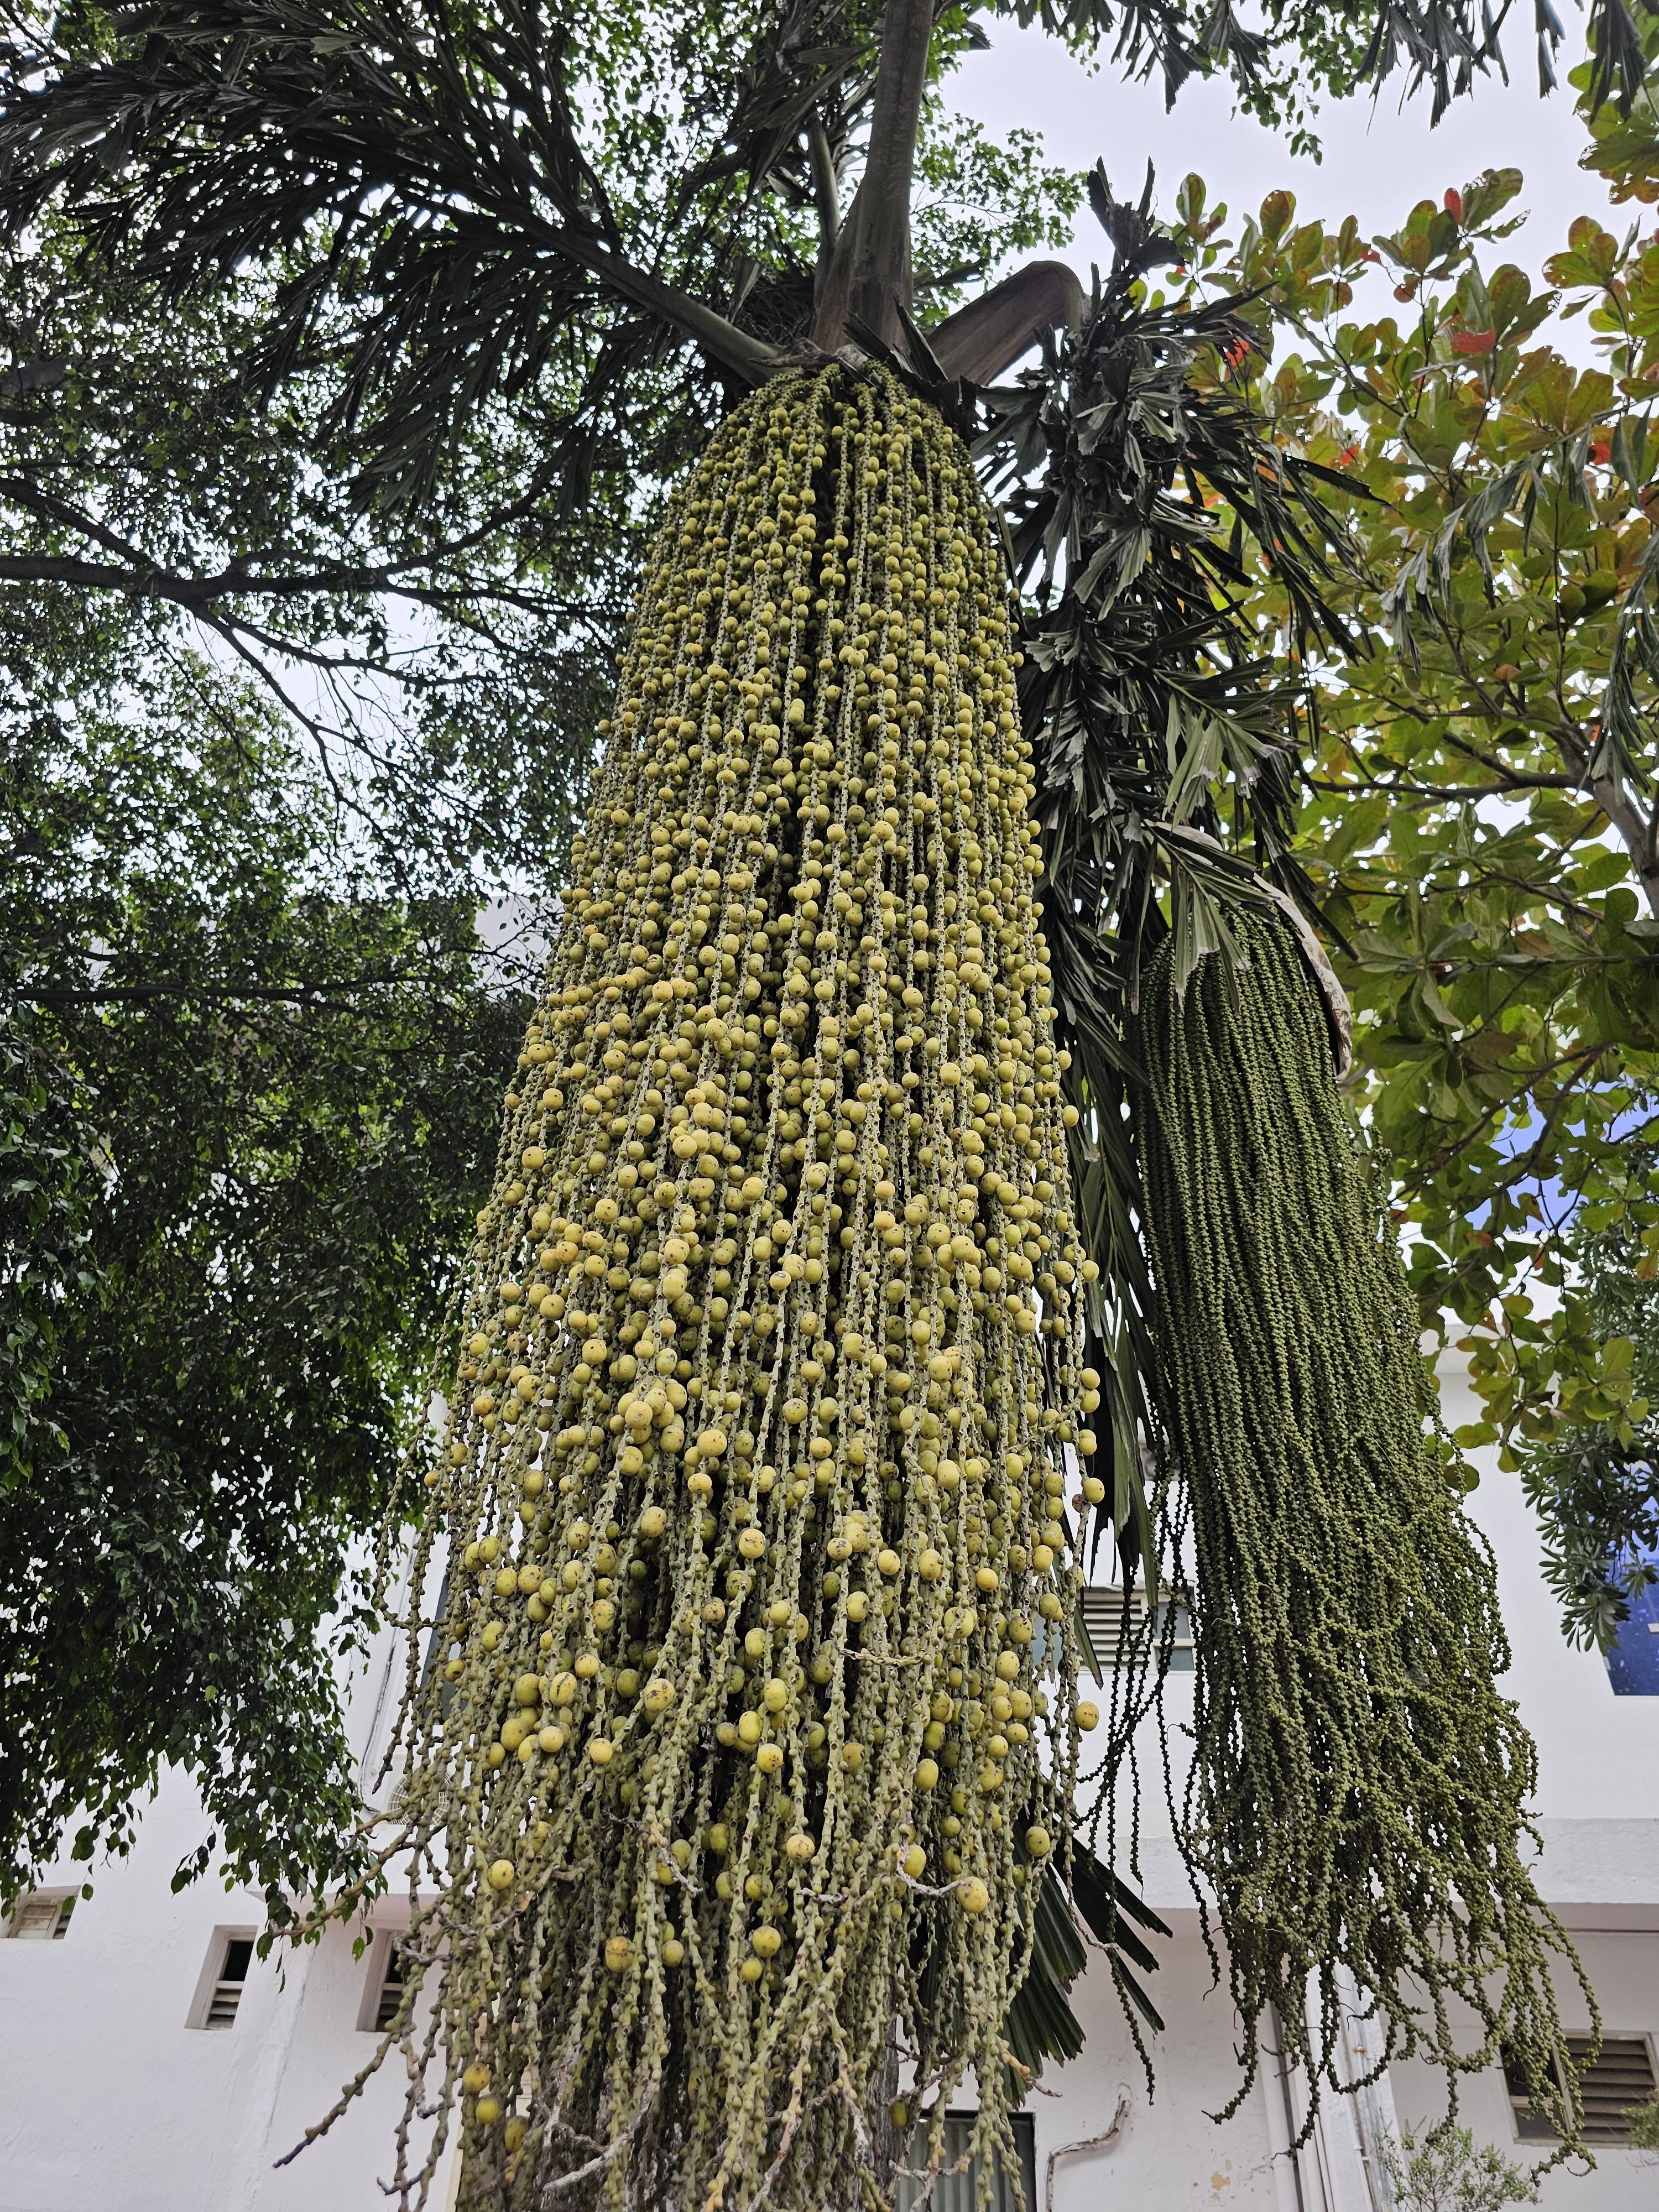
[{"x": 150, "y": 2063}]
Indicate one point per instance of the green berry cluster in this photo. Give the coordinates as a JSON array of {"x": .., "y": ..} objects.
[{"x": 1357, "y": 1791}]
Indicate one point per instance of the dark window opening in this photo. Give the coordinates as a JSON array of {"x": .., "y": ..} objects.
[
  {"x": 228, "y": 1987},
  {"x": 392, "y": 1990}
]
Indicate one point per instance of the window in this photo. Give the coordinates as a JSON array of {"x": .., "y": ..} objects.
[
  {"x": 384, "y": 1991},
  {"x": 959, "y": 2193},
  {"x": 42, "y": 1917},
  {"x": 1102, "y": 1616},
  {"x": 1621, "y": 2078},
  {"x": 230, "y": 1958}
]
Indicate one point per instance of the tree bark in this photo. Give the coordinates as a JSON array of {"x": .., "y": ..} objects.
[{"x": 869, "y": 273}]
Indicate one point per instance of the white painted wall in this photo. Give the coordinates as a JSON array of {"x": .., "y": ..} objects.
[{"x": 107, "y": 2098}]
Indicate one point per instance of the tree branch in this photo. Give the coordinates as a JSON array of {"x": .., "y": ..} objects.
[
  {"x": 145, "y": 578},
  {"x": 299, "y": 994}
]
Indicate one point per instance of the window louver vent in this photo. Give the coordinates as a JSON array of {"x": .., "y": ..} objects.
[
  {"x": 392, "y": 1991},
  {"x": 1621, "y": 2078},
  {"x": 227, "y": 1989},
  {"x": 42, "y": 1919},
  {"x": 1102, "y": 1616}
]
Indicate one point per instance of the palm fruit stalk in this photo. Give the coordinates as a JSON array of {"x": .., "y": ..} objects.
[
  {"x": 1357, "y": 1799},
  {"x": 760, "y": 1631}
]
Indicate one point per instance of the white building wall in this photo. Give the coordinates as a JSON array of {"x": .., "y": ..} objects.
[{"x": 109, "y": 2099}]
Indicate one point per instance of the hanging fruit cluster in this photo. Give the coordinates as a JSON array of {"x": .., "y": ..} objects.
[
  {"x": 1358, "y": 1787},
  {"x": 761, "y": 1586}
]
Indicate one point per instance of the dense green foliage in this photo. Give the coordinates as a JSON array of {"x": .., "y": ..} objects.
[
  {"x": 251, "y": 1094},
  {"x": 1479, "y": 823}
]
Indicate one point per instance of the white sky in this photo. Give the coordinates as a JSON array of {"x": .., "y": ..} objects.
[{"x": 1378, "y": 161}]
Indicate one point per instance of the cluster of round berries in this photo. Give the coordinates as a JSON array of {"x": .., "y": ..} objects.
[{"x": 769, "y": 1434}]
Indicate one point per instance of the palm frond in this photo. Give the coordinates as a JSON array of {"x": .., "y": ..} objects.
[
  {"x": 1141, "y": 496},
  {"x": 1075, "y": 1893},
  {"x": 411, "y": 182}
]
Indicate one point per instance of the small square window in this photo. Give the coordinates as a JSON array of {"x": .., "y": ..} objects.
[
  {"x": 42, "y": 1917},
  {"x": 1621, "y": 2079}
]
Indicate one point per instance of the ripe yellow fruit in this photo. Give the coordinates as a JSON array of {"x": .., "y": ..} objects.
[
  {"x": 601, "y": 1750},
  {"x": 1088, "y": 1714},
  {"x": 619, "y": 1953},
  {"x": 914, "y": 1861},
  {"x": 800, "y": 1847},
  {"x": 1038, "y": 1842},
  {"x": 500, "y": 1874},
  {"x": 488, "y": 2110},
  {"x": 476, "y": 2080},
  {"x": 766, "y": 1942},
  {"x": 972, "y": 1895}
]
